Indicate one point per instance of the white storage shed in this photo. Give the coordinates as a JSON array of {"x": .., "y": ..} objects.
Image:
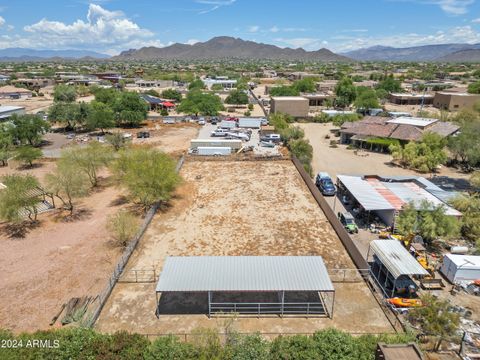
[
  {"x": 253, "y": 123},
  {"x": 458, "y": 268}
]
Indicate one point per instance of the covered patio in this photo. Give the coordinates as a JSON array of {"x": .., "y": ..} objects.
[{"x": 246, "y": 285}]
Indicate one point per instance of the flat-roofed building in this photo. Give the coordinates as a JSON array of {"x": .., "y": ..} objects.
[
  {"x": 296, "y": 106},
  {"x": 12, "y": 92},
  {"x": 453, "y": 101},
  {"x": 411, "y": 99},
  {"x": 7, "y": 111},
  {"x": 318, "y": 99}
]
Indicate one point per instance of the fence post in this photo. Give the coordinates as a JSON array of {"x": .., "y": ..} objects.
[{"x": 136, "y": 277}]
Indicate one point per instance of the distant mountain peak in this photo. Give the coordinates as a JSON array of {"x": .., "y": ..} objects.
[{"x": 228, "y": 47}]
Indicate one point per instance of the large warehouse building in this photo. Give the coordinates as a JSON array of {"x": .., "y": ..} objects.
[{"x": 296, "y": 106}]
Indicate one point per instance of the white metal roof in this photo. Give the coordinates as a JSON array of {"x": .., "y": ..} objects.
[
  {"x": 465, "y": 261},
  {"x": 364, "y": 193},
  {"x": 244, "y": 273},
  {"x": 396, "y": 258},
  {"x": 415, "y": 121},
  {"x": 8, "y": 108}
]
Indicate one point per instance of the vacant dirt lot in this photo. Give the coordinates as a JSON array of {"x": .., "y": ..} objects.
[
  {"x": 171, "y": 138},
  {"x": 56, "y": 260},
  {"x": 239, "y": 208}
]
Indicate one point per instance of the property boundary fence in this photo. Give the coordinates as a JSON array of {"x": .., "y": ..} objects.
[{"x": 102, "y": 298}]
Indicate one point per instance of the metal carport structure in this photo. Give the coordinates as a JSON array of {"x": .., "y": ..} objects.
[
  {"x": 396, "y": 260},
  {"x": 252, "y": 274}
]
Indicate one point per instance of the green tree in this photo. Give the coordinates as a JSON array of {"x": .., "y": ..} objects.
[
  {"x": 6, "y": 143},
  {"x": 152, "y": 92},
  {"x": 117, "y": 140},
  {"x": 148, "y": 174},
  {"x": 89, "y": 160},
  {"x": 198, "y": 102},
  {"x": 427, "y": 220},
  {"x": 291, "y": 133},
  {"x": 106, "y": 95},
  {"x": 302, "y": 149},
  {"x": 435, "y": 318},
  {"x": 469, "y": 206},
  {"x": 27, "y": 155},
  {"x": 306, "y": 85},
  {"x": 424, "y": 156},
  {"x": 283, "y": 91},
  {"x": 390, "y": 85},
  {"x": 67, "y": 182},
  {"x": 346, "y": 92},
  {"x": 123, "y": 226},
  {"x": 238, "y": 97},
  {"x": 280, "y": 121},
  {"x": 475, "y": 180},
  {"x": 171, "y": 348},
  {"x": 366, "y": 99},
  {"x": 17, "y": 198},
  {"x": 28, "y": 128},
  {"x": 100, "y": 117},
  {"x": 172, "y": 94},
  {"x": 67, "y": 114},
  {"x": 196, "y": 84},
  {"x": 130, "y": 109},
  {"x": 64, "y": 93},
  {"x": 474, "y": 88}
]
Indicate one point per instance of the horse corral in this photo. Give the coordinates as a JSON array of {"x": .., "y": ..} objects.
[{"x": 239, "y": 208}]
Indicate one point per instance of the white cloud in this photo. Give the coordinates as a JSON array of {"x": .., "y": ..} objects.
[
  {"x": 103, "y": 29},
  {"x": 459, "y": 34},
  {"x": 2, "y": 21},
  {"x": 253, "y": 28},
  {"x": 454, "y": 7},
  {"x": 216, "y": 4},
  {"x": 305, "y": 43},
  {"x": 192, "y": 41},
  {"x": 274, "y": 29}
]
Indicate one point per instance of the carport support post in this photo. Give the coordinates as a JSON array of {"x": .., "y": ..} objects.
[
  {"x": 209, "y": 303},
  {"x": 283, "y": 301},
  {"x": 333, "y": 304}
]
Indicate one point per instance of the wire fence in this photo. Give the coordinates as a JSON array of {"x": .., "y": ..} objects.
[{"x": 96, "y": 307}]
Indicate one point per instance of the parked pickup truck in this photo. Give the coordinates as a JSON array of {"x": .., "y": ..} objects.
[{"x": 348, "y": 222}]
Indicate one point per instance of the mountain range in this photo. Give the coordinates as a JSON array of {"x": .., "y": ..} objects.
[
  {"x": 223, "y": 47},
  {"x": 22, "y": 54},
  {"x": 443, "y": 52}
]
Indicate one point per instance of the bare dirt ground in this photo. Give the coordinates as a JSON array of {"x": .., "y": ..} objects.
[
  {"x": 239, "y": 208},
  {"x": 171, "y": 138},
  {"x": 340, "y": 160},
  {"x": 56, "y": 260}
]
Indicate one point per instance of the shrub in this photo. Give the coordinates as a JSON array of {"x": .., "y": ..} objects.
[{"x": 123, "y": 226}]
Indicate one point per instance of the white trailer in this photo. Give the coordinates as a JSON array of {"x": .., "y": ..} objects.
[
  {"x": 253, "y": 123},
  {"x": 227, "y": 124},
  {"x": 233, "y": 144},
  {"x": 458, "y": 268},
  {"x": 214, "y": 151}
]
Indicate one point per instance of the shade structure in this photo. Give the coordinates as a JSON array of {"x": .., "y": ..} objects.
[
  {"x": 396, "y": 258},
  {"x": 168, "y": 104},
  {"x": 244, "y": 273}
]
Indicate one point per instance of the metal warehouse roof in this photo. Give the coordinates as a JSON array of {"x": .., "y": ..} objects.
[
  {"x": 396, "y": 258},
  {"x": 244, "y": 273}
]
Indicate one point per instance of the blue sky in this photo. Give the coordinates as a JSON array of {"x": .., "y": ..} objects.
[{"x": 111, "y": 26}]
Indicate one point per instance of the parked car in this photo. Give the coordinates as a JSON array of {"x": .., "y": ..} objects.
[
  {"x": 214, "y": 120},
  {"x": 271, "y": 137},
  {"x": 348, "y": 222},
  {"x": 325, "y": 184},
  {"x": 143, "y": 134}
]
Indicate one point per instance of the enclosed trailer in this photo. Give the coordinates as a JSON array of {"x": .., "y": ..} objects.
[
  {"x": 457, "y": 268},
  {"x": 234, "y": 144},
  {"x": 214, "y": 151},
  {"x": 253, "y": 123},
  {"x": 227, "y": 124}
]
